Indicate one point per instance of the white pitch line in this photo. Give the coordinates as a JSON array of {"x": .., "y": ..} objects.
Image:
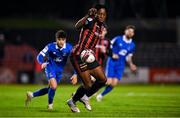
[{"x": 150, "y": 94}]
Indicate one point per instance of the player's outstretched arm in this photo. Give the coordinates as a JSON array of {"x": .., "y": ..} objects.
[
  {"x": 42, "y": 57},
  {"x": 81, "y": 22},
  {"x": 43, "y": 65},
  {"x": 132, "y": 66},
  {"x": 42, "y": 60}
]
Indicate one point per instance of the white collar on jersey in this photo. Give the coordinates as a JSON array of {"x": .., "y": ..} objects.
[
  {"x": 64, "y": 46},
  {"x": 126, "y": 40}
]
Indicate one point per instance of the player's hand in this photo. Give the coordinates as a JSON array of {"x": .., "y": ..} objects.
[
  {"x": 43, "y": 65},
  {"x": 115, "y": 56},
  {"x": 92, "y": 12},
  {"x": 74, "y": 79},
  {"x": 133, "y": 67}
]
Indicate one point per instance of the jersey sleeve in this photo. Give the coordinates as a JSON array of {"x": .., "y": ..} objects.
[
  {"x": 130, "y": 53},
  {"x": 70, "y": 48},
  {"x": 88, "y": 22},
  {"x": 43, "y": 54},
  {"x": 113, "y": 42}
]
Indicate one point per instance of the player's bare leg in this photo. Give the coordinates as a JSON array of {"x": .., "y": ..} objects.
[
  {"x": 86, "y": 79},
  {"x": 99, "y": 97},
  {"x": 112, "y": 82},
  {"x": 100, "y": 80}
]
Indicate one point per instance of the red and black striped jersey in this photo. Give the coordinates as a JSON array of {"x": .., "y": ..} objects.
[
  {"x": 89, "y": 35},
  {"x": 102, "y": 50}
]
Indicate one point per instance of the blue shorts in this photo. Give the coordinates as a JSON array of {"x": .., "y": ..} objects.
[
  {"x": 52, "y": 73},
  {"x": 113, "y": 70}
]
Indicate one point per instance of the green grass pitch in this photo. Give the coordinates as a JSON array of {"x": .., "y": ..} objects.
[{"x": 124, "y": 100}]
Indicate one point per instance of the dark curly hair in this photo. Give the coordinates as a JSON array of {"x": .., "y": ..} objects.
[{"x": 100, "y": 6}]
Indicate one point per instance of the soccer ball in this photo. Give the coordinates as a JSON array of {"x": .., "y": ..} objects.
[{"x": 87, "y": 56}]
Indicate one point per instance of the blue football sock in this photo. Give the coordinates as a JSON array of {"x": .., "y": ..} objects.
[
  {"x": 41, "y": 92},
  {"x": 51, "y": 94},
  {"x": 107, "y": 90}
]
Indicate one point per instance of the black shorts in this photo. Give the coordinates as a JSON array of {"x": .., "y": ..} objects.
[{"x": 81, "y": 66}]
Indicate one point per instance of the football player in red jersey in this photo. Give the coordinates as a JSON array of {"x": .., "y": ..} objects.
[{"x": 91, "y": 26}]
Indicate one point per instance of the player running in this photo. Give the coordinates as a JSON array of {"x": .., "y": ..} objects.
[
  {"x": 102, "y": 50},
  {"x": 91, "y": 27},
  {"x": 53, "y": 59},
  {"x": 124, "y": 47}
]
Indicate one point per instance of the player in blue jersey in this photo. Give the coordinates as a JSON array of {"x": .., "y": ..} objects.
[
  {"x": 124, "y": 47},
  {"x": 53, "y": 59}
]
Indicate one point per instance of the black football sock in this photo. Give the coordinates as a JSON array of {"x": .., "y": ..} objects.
[
  {"x": 79, "y": 94},
  {"x": 95, "y": 87}
]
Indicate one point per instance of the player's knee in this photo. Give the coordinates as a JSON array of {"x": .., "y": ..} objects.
[
  {"x": 109, "y": 81},
  {"x": 114, "y": 83},
  {"x": 88, "y": 85},
  {"x": 53, "y": 83},
  {"x": 54, "y": 87},
  {"x": 110, "y": 84}
]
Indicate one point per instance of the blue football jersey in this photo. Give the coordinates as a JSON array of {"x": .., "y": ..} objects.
[
  {"x": 56, "y": 57},
  {"x": 122, "y": 47}
]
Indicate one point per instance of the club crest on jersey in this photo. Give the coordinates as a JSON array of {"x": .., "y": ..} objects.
[
  {"x": 129, "y": 48},
  {"x": 89, "y": 19},
  {"x": 64, "y": 54}
]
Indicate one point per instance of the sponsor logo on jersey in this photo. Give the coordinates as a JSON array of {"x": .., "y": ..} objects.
[
  {"x": 123, "y": 52},
  {"x": 58, "y": 59}
]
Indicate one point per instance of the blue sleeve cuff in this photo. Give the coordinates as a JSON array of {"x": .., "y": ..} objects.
[{"x": 40, "y": 58}]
